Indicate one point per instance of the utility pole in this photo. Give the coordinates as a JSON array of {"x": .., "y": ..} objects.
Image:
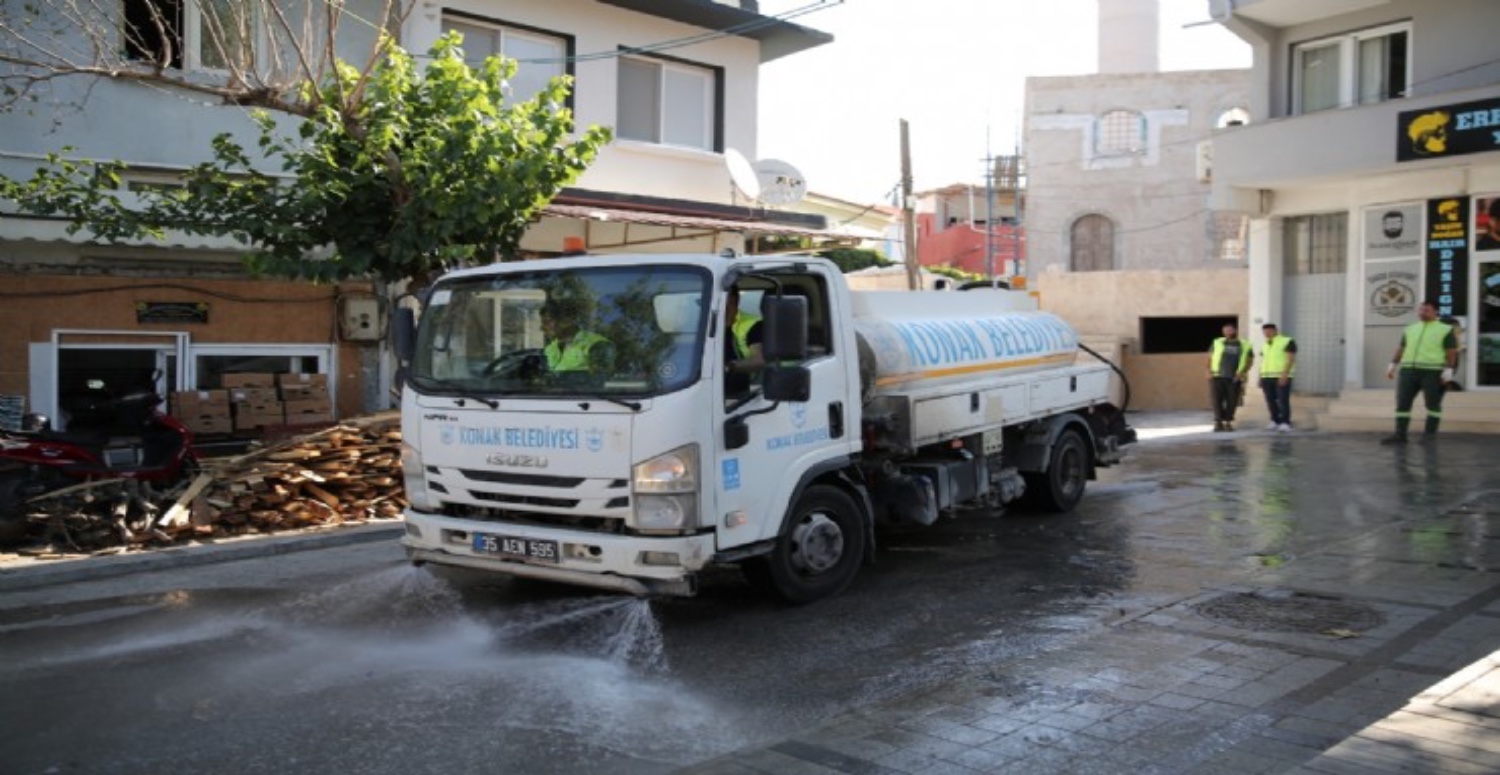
[
  {"x": 989, "y": 208},
  {"x": 913, "y": 271},
  {"x": 1017, "y": 266}
]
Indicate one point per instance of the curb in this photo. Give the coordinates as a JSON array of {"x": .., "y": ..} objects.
[{"x": 46, "y": 572}]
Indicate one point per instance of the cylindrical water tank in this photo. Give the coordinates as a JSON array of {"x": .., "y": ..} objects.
[{"x": 916, "y": 339}]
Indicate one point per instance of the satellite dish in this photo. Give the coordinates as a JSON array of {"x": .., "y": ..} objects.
[
  {"x": 742, "y": 173},
  {"x": 780, "y": 182}
]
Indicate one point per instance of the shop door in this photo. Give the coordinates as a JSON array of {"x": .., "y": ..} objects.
[
  {"x": 121, "y": 370},
  {"x": 1314, "y": 307},
  {"x": 123, "y": 362},
  {"x": 1486, "y": 339}
]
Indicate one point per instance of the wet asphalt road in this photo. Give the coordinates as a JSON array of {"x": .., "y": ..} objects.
[{"x": 347, "y": 660}]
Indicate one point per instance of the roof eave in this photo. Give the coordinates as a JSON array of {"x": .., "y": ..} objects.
[{"x": 777, "y": 38}]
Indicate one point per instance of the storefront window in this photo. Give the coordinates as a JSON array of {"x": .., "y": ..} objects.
[
  {"x": 211, "y": 362},
  {"x": 1489, "y": 324}
]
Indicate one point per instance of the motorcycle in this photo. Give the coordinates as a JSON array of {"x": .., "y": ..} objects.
[{"x": 109, "y": 436}]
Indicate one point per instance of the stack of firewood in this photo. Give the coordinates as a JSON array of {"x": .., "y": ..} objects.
[{"x": 348, "y": 473}]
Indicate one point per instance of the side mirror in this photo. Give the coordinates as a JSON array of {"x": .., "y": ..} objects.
[
  {"x": 784, "y": 328},
  {"x": 736, "y": 433},
  {"x": 786, "y": 383},
  {"x": 404, "y": 334}
]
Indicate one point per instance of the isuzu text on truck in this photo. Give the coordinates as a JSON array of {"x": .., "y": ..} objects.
[{"x": 618, "y": 449}]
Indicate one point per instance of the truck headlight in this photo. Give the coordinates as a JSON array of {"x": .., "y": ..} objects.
[
  {"x": 666, "y": 491},
  {"x": 414, "y": 477}
]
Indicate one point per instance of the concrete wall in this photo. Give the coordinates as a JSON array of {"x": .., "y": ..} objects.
[
  {"x": 1110, "y": 305},
  {"x": 1155, "y": 199}
]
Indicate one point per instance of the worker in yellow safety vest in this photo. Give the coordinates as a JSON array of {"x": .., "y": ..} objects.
[
  {"x": 570, "y": 346},
  {"x": 1278, "y": 364},
  {"x": 1425, "y": 359},
  {"x": 1228, "y": 362},
  {"x": 742, "y": 357}
]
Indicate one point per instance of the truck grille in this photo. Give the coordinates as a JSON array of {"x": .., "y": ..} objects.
[
  {"x": 524, "y": 500},
  {"x": 528, "y": 480},
  {"x": 603, "y": 525}
]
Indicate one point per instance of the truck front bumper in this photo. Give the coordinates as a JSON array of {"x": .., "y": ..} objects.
[{"x": 639, "y": 565}]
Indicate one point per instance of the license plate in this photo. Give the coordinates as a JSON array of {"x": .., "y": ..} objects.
[{"x": 516, "y": 548}]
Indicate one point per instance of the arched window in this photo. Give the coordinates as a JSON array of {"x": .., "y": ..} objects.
[
  {"x": 1092, "y": 241},
  {"x": 1232, "y": 117},
  {"x": 1120, "y": 133}
]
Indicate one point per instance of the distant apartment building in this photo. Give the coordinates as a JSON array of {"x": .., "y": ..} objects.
[{"x": 973, "y": 228}]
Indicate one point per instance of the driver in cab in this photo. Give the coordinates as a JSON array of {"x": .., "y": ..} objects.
[{"x": 570, "y": 346}]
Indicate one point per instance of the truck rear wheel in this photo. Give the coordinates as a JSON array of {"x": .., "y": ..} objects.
[
  {"x": 1060, "y": 487},
  {"x": 819, "y": 552}
]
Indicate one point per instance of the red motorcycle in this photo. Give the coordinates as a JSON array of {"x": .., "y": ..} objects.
[{"x": 108, "y": 437}]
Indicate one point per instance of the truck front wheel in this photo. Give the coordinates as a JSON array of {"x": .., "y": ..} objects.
[
  {"x": 818, "y": 553},
  {"x": 1060, "y": 487}
]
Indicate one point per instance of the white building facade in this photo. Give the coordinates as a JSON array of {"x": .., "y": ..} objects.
[
  {"x": 1371, "y": 178},
  {"x": 677, "y": 81}
]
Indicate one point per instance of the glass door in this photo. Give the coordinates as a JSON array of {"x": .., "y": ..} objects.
[{"x": 1486, "y": 359}]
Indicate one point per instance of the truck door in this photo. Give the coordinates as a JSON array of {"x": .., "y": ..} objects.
[{"x": 787, "y": 440}]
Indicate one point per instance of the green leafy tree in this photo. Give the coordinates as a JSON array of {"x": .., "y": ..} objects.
[
  {"x": 390, "y": 172},
  {"x": 855, "y": 259},
  {"x": 954, "y": 273}
]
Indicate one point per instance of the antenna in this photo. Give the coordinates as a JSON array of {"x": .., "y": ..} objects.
[
  {"x": 780, "y": 182},
  {"x": 742, "y": 174}
]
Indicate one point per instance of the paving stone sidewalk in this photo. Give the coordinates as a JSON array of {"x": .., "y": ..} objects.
[{"x": 1167, "y": 694}]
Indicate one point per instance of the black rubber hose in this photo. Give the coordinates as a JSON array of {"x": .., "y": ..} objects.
[{"x": 1123, "y": 380}]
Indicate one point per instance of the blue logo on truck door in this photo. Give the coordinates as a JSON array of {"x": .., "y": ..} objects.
[{"x": 729, "y": 471}]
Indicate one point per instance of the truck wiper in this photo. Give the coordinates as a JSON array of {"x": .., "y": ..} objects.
[
  {"x": 490, "y": 402},
  {"x": 458, "y": 394},
  {"x": 634, "y": 406}
]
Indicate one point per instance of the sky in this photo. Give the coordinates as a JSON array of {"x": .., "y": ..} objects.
[{"x": 954, "y": 69}]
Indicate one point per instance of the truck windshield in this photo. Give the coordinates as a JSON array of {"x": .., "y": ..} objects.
[{"x": 605, "y": 332}]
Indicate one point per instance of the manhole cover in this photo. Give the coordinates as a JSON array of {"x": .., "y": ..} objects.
[{"x": 1296, "y": 612}]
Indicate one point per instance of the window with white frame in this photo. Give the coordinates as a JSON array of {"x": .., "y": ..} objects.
[
  {"x": 668, "y": 102},
  {"x": 191, "y": 34},
  {"x": 1358, "y": 68},
  {"x": 1120, "y": 133},
  {"x": 540, "y": 56}
]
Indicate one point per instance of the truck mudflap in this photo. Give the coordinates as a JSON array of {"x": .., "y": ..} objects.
[
  {"x": 638, "y": 565},
  {"x": 1110, "y": 432}
]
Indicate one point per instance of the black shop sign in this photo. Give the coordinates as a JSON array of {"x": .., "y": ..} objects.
[
  {"x": 1450, "y": 130},
  {"x": 171, "y": 312},
  {"x": 1447, "y": 264}
]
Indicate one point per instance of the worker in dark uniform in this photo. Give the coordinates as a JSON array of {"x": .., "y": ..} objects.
[
  {"x": 1425, "y": 360},
  {"x": 1228, "y": 362}
]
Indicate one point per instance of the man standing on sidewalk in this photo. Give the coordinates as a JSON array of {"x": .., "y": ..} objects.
[
  {"x": 1278, "y": 364},
  {"x": 1426, "y": 356},
  {"x": 1228, "y": 362}
]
